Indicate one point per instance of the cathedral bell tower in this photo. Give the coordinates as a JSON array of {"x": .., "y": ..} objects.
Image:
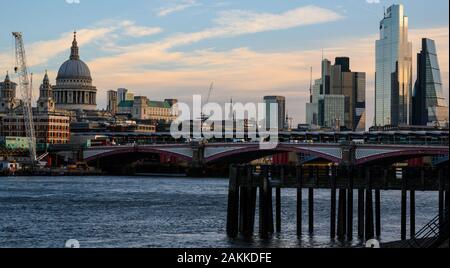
[
  {"x": 46, "y": 103},
  {"x": 8, "y": 101}
]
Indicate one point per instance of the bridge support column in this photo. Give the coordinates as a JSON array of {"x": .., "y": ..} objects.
[
  {"x": 361, "y": 214},
  {"x": 247, "y": 211},
  {"x": 233, "y": 203},
  {"x": 197, "y": 168}
]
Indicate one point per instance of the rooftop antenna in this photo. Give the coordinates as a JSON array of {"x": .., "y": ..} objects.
[
  {"x": 231, "y": 109},
  {"x": 310, "y": 84}
]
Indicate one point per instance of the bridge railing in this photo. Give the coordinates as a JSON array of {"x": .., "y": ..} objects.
[
  {"x": 432, "y": 233},
  {"x": 438, "y": 138}
]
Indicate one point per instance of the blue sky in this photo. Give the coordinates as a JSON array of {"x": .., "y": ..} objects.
[{"x": 175, "y": 48}]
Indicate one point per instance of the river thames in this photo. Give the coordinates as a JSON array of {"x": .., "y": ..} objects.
[{"x": 142, "y": 212}]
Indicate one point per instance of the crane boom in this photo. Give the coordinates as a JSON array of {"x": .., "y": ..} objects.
[
  {"x": 209, "y": 92},
  {"x": 26, "y": 93},
  {"x": 203, "y": 116}
]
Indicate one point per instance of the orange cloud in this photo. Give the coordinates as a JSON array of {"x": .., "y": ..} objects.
[{"x": 243, "y": 73}]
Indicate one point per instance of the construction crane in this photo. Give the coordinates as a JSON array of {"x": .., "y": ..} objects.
[
  {"x": 209, "y": 92},
  {"x": 205, "y": 117},
  {"x": 26, "y": 93}
]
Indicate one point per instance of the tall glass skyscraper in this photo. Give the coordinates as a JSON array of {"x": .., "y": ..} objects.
[
  {"x": 429, "y": 104},
  {"x": 393, "y": 79}
]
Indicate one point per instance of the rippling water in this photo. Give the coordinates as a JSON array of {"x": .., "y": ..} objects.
[{"x": 157, "y": 212}]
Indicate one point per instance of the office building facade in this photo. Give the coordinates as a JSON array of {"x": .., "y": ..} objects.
[
  {"x": 281, "y": 113},
  {"x": 332, "y": 111},
  {"x": 113, "y": 102},
  {"x": 346, "y": 93},
  {"x": 429, "y": 105},
  {"x": 393, "y": 79},
  {"x": 51, "y": 126}
]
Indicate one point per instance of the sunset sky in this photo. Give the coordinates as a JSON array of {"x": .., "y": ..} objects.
[{"x": 175, "y": 48}]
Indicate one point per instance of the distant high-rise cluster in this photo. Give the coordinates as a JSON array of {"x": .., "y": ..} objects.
[
  {"x": 395, "y": 102},
  {"x": 338, "y": 99}
]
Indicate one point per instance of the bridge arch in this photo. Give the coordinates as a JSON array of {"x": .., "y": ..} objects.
[
  {"x": 253, "y": 152},
  {"x": 402, "y": 155},
  {"x": 137, "y": 150}
]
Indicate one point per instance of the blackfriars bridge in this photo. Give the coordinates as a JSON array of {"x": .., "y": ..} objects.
[{"x": 210, "y": 153}]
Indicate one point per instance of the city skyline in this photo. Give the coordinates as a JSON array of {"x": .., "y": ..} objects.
[{"x": 232, "y": 45}]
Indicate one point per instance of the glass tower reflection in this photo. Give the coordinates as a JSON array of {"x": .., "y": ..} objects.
[
  {"x": 393, "y": 83},
  {"x": 429, "y": 104}
]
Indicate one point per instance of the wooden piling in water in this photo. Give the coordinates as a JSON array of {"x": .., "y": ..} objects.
[
  {"x": 350, "y": 214},
  {"x": 233, "y": 203},
  {"x": 242, "y": 199},
  {"x": 369, "y": 215},
  {"x": 278, "y": 209},
  {"x": 360, "y": 214},
  {"x": 311, "y": 209},
  {"x": 270, "y": 207},
  {"x": 264, "y": 206},
  {"x": 342, "y": 214},
  {"x": 333, "y": 207},
  {"x": 447, "y": 204},
  {"x": 350, "y": 207},
  {"x": 252, "y": 202},
  {"x": 403, "y": 208},
  {"x": 278, "y": 201},
  {"x": 378, "y": 212},
  {"x": 441, "y": 197},
  {"x": 369, "y": 228},
  {"x": 243, "y": 207},
  {"x": 299, "y": 201},
  {"x": 412, "y": 213}
]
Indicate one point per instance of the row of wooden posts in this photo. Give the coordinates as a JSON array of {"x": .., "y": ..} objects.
[{"x": 242, "y": 199}]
